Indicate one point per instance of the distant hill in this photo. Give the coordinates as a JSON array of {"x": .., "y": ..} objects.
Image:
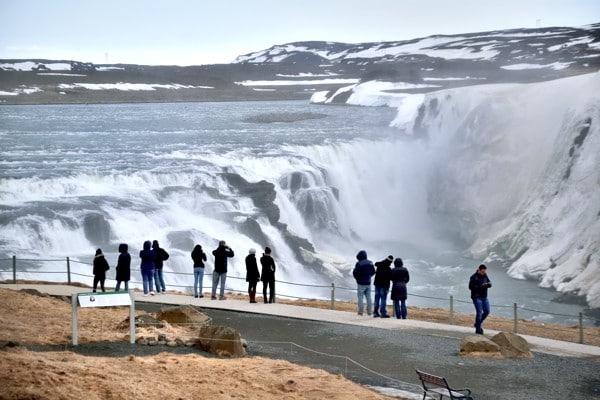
[{"x": 297, "y": 70}]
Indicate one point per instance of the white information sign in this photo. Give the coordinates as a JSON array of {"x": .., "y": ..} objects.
[{"x": 104, "y": 299}]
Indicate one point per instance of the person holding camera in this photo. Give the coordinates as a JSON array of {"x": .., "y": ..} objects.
[{"x": 479, "y": 284}]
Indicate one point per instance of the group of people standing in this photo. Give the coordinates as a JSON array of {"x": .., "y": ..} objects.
[
  {"x": 267, "y": 275},
  {"x": 221, "y": 254},
  {"x": 152, "y": 258},
  {"x": 385, "y": 276},
  {"x": 398, "y": 277}
]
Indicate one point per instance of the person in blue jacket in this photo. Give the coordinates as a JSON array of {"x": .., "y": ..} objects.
[
  {"x": 147, "y": 267},
  {"x": 362, "y": 272},
  {"x": 479, "y": 284}
]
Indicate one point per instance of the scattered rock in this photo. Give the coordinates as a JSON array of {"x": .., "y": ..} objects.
[
  {"x": 222, "y": 341},
  {"x": 182, "y": 315},
  {"x": 479, "y": 346},
  {"x": 512, "y": 346}
]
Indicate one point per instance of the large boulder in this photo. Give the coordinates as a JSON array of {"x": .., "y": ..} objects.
[
  {"x": 502, "y": 345},
  {"x": 479, "y": 346},
  {"x": 512, "y": 346},
  {"x": 221, "y": 340}
]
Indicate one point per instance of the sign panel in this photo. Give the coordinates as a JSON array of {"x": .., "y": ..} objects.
[{"x": 104, "y": 299}]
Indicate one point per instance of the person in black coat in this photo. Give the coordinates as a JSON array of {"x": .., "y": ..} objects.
[
  {"x": 199, "y": 257},
  {"x": 252, "y": 274},
  {"x": 400, "y": 278},
  {"x": 221, "y": 253},
  {"x": 161, "y": 257},
  {"x": 99, "y": 270},
  {"x": 479, "y": 284},
  {"x": 383, "y": 273},
  {"x": 268, "y": 275},
  {"x": 123, "y": 267}
]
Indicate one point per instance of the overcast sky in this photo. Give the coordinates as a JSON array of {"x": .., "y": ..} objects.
[{"x": 216, "y": 31}]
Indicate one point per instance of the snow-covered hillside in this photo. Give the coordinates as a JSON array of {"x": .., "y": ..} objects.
[{"x": 515, "y": 172}]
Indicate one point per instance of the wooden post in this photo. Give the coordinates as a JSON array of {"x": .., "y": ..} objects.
[
  {"x": 516, "y": 327},
  {"x": 451, "y": 310},
  {"x": 332, "y": 306},
  {"x": 581, "y": 328},
  {"x": 68, "y": 271},
  {"x": 14, "y": 269}
]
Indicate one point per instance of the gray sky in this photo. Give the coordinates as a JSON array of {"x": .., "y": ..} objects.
[{"x": 216, "y": 31}]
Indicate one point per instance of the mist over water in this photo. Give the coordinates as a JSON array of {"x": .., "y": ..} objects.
[{"x": 74, "y": 178}]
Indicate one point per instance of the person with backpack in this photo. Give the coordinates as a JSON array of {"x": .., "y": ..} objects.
[
  {"x": 199, "y": 257},
  {"x": 161, "y": 256},
  {"x": 99, "y": 270}
]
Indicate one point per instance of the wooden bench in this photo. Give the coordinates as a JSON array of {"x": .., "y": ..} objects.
[{"x": 439, "y": 386}]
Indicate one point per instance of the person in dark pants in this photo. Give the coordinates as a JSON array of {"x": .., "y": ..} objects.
[
  {"x": 252, "y": 274},
  {"x": 479, "y": 284},
  {"x": 123, "y": 267},
  {"x": 400, "y": 278},
  {"x": 268, "y": 275},
  {"x": 199, "y": 256},
  {"x": 161, "y": 256},
  {"x": 99, "y": 270},
  {"x": 383, "y": 273},
  {"x": 221, "y": 253},
  {"x": 147, "y": 257}
]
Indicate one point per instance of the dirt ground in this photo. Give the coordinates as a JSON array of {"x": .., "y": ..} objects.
[{"x": 33, "y": 320}]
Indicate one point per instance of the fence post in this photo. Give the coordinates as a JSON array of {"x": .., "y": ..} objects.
[
  {"x": 451, "y": 310},
  {"x": 68, "y": 271},
  {"x": 581, "y": 328},
  {"x": 14, "y": 269},
  {"x": 516, "y": 328},
  {"x": 332, "y": 307}
]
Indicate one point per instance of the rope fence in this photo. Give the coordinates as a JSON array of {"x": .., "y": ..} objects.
[{"x": 519, "y": 325}]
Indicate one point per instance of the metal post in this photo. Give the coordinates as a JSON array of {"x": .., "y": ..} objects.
[
  {"x": 451, "y": 310},
  {"x": 332, "y": 307},
  {"x": 132, "y": 319},
  {"x": 74, "y": 318},
  {"x": 14, "y": 269},
  {"x": 581, "y": 328},
  {"x": 516, "y": 328},
  {"x": 68, "y": 271}
]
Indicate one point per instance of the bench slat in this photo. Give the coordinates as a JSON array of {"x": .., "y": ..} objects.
[{"x": 442, "y": 387}]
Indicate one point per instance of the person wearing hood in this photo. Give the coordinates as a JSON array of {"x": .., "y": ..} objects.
[
  {"x": 147, "y": 257},
  {"x": 362, "y": 272},
  {"x": 199, "y": 256},
  {"x": 268, "y": 275},
  {"x": 99, "y": 269},
  {"x": 161, "y": 256},
  {"x": 221, "y": 253},
  {"x": 382, "y": 286},
  {"x": 252, "y": 274},
  {"x": 400, "y": 278},
  {"x": 123, "y": 267}
]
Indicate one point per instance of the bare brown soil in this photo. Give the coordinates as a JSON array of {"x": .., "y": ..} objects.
[{"x": 43, "y": 320}]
